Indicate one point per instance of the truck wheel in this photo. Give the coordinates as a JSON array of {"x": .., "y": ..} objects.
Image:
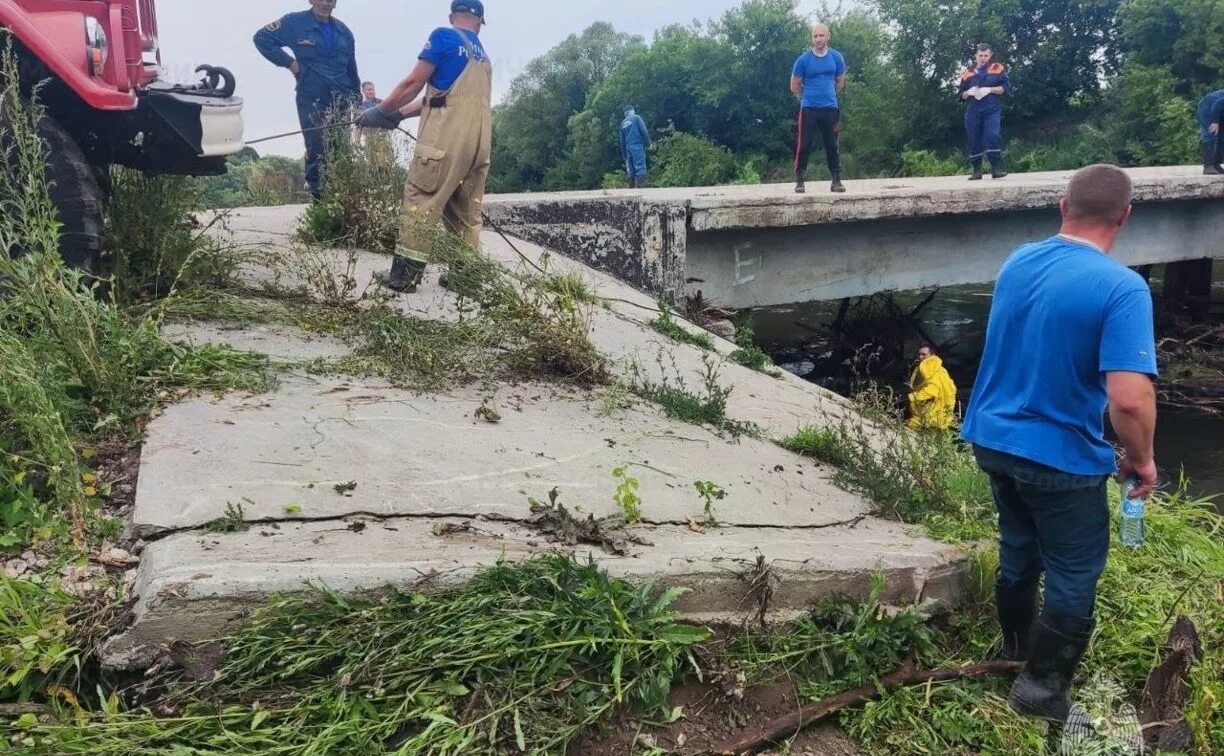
[
  {"x": 78, "y": 197},
  {"x": 80, "y": 203}
]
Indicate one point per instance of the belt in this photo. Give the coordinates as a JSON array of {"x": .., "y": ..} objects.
[{"x": 436, "y": 102}]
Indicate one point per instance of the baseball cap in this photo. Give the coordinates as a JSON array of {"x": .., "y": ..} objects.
[
  {"x": 475, "y": 7},
  {"x": 628, "y": 108}
]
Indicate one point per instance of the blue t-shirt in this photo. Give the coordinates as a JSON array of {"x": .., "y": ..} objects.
[
  {"x": 819, "y": 76},
  {"x": 445, "y": 49},
  {"x": 1063, "y": 316}
]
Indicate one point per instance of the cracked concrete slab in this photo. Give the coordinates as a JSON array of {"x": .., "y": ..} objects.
[
  {"x": 194, "y": 586},
  {"x": 278, "y": 342},
  {"x": 281, "y": 455},
  {"x": 426, "y": 460}
]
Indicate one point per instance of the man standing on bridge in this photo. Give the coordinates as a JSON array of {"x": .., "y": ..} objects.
[
  {"x": 818, "y": 75},
  {"x": 1210, "y": 113},
  {"x": 324, "y": 63},
  {"x": 983, "y": 85},
  {"x": 634, "y": 141},
  {"x": 1070, "y": 334},
  {"x": 446, "y": 180}
]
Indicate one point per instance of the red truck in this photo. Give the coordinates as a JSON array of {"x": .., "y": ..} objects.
[{"x": 97, "y": 68}]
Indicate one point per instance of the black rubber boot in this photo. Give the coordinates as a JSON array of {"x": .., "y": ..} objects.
[
  {"x": 977, "y": 173},
  {"x": 1059, "y": 643},
  {"x": 1017, "y": 607},
  {"x": 799, "y": 183},
  {"x": 1211, "y": 157},
  {"x": 996, "y": 169},
  {"x": 405, "y": 274},
  {"x": 837, "y": 185}
]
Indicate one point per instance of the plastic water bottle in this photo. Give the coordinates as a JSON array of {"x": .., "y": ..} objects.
[{"x": 1132, "y": 530}]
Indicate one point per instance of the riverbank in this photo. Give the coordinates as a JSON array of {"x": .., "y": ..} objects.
[{"x": 956, "y": 318}]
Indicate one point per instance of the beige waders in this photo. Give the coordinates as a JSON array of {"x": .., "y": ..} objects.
[{"x": 446, "y": 180}]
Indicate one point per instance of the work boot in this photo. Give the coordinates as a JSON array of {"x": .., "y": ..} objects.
[
  {"x": 977, "y": 173},
  {"x": 996, "y": 170},
  {"x": 1059, "y": 643},
  {"x": 405, "y": 274},
  {"x": 1017, "y": 605},
  {"x": 1211, "y": 157},
  {"x": 837, "y": 185},
  {"x": 799, "y": 187}
]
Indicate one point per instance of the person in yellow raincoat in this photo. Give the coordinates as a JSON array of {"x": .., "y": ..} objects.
[{"x": 932, "y": 397}]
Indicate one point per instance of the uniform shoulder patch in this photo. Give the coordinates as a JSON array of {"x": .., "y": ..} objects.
[
  {"x": 274, "y": 26},
  {"x": 967, "y": 74},
  {"x": 995, "y": 68}
]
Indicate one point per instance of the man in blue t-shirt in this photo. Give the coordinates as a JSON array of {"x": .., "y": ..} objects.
[
  {"x": 1070, "y": 335},
  {"x": 818, "y": 75},
  {"x": 446, "y": 181}
]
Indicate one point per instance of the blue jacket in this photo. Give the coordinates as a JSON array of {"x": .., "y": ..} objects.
[
  {"x": 994, "y": 75},
  {"x": 1211, "y": 108},
  {"x": 325, "y": 72},
  {"x": 633, "y": 133}
]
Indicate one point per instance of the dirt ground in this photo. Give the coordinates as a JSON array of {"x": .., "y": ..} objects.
[{"x": 710, "y": 716}]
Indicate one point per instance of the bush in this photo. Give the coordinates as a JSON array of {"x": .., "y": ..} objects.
[
  {"x": 927, "y": 163},
  {"x": 689, "y": 160},
  {"x": 363, "y": 190}
]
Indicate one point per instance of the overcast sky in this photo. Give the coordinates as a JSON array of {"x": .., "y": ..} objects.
[{"x": 390, "y": 34}]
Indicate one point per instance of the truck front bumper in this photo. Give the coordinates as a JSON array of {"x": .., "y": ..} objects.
[{"x": 188, "y": 133}]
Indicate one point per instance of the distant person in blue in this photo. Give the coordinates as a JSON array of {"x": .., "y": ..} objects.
[
  {"x": 818, "y": 75},
  {"x": 634, "y": 141},
  {"x": 1070, "y": 336},
  {"x": 1210, "y": 110},
  {"x": 983, "y": 86},
  {"x": 369, "y": 99},
  {"x": 324, "y": 62}
]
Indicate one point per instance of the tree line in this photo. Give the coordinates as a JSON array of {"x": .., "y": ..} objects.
[{"x": 1093, "y": 80}]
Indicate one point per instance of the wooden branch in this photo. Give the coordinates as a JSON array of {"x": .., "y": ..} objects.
[
  {"x": 17, "y": 710},
  {"x": 755, "y": 738}
]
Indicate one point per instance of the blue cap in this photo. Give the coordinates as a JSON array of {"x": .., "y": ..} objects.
[{"x": 475, "y": 7}]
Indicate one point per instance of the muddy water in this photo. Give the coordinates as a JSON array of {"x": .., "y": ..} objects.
[{"x": 1184, "y": 441}]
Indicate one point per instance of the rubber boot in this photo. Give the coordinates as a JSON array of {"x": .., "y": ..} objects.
[
  {"x": 405, "y": 274},
  {"x": 1017, "y": 605},
  {"x": 1059, "y": 643},
  {"x": 1211, "y": 156},
  {"x": 996, "y": 169},
  {"x": 799, "y": 181},
  {"x": 837, "y": 185},
  {"x": 977, "y": 172}
]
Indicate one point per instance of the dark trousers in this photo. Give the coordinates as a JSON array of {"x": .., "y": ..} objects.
[
  {"x": 1052, "y": 522},
  {"x": 311, "y": 114},
  {"x": 825, "y": 122},
  {"x": 985, "y": 130}
]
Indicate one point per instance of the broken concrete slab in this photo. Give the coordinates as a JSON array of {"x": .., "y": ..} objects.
[
  {"x": 280, "y": 456},
  {"x": 194, "y": 586},
  {"x": 278, "y": 342}
]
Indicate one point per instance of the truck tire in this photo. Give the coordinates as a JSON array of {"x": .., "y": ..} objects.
[{"x": 79, "y": 200}]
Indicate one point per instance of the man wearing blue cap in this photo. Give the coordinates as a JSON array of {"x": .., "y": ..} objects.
[
  {"x": 324, "y": 63},
  {"x": 446, "y": 180},
  {"x": 634, "y": 140}
]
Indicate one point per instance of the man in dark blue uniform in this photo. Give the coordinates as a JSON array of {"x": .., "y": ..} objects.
[
  {"x": 634, "y": 141},
  {"x": 983, "y": 85},
  {"x": 324, "y": 62},
  {"x": 1210, "y": 111}
]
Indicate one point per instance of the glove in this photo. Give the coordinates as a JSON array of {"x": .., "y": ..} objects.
[{"x": 374, "y": 118}]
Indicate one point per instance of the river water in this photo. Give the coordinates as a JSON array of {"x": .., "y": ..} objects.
[{"x": 1184, "y": 441}]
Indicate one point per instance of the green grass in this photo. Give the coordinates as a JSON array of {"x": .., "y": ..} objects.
[
  {"x": 708, "y": 406},
  {"x": 667, "y": 325},
  {"x": 522, "y": 658},
  {"x": 824, "y": 444}
]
